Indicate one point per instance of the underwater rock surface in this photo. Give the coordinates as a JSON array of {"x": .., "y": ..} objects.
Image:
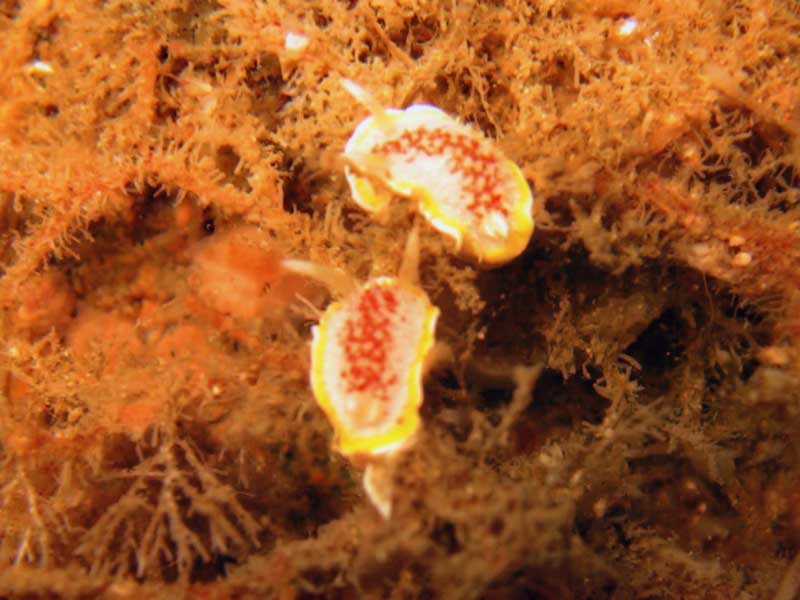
[{"x": 613, "y": 413}]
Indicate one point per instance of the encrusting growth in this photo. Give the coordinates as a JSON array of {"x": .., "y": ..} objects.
[
  {"x": 464, "y": 186},
  {"x": 621, "y": 396},
  {"x": 170, "y": 490}
]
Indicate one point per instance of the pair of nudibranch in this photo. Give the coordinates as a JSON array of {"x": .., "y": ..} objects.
[{"x": 370, "y": 349}]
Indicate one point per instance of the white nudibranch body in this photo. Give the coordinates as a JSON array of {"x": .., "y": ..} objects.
[
  {"x": 368, "y": 356},
  {"x": 463, "y": 184},
  {"x": 367, "y": 361}
]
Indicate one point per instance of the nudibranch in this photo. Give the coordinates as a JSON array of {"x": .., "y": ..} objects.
[
  {"x": 463, "y": 184},
  {"x": 368, "y": 356},
  {"x": 367, "y": 359}
]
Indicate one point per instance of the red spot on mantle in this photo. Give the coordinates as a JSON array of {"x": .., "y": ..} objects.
[
  {"x": 367, "y": 341},
  {"x": 477, "y": 167}
]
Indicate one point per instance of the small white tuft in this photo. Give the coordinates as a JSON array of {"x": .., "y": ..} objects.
[
  {"x": 628, "y": 26},
  {"x": 295, "y": 42},
  {"x": 39, "y": 67}
]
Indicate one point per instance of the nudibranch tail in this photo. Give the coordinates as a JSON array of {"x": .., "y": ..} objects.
[
  {"x": 378, "y": 487},
  {"x": 368, "y": 355},
  {"x": 409, "y": 267}
]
